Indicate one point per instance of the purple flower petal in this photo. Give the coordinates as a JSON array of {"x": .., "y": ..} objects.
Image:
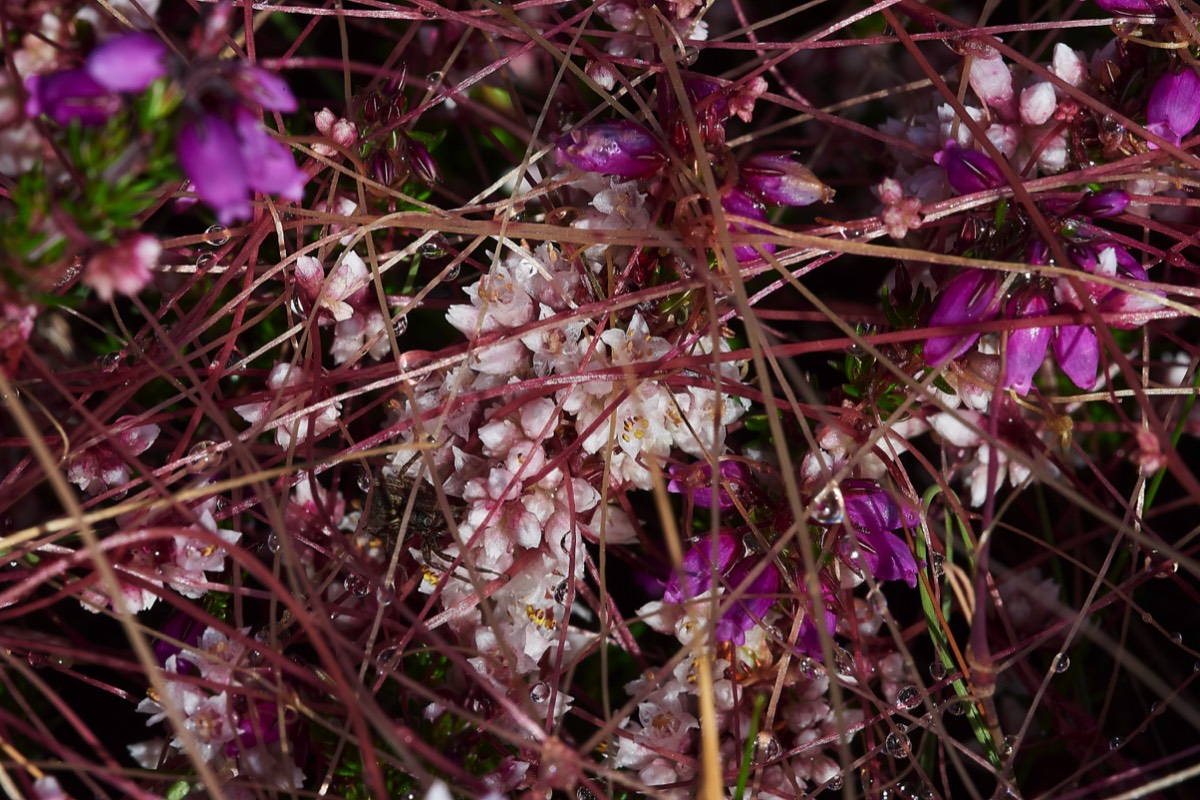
[
  {"x": 967, "y": 299},
  {"x": 266, "y": 89},
  {"x": 1078, "y": 353},
  {"x": 1026, "y": 349},
  {"x": 1133, "y": 7},
  {"x": 778, "y": 178},
  {"x": 740, "y": 204},
  {"x": 968, "y": 171},
  {"x": 758, "y": 595},
  {"x": 697, "y": 571},
  {"x": 1174, "y": 106},
  {"x": 887, "y": 557},
  {"x": 128, "y": 63},
  {"x": 269, "y": 165},
  {"x": 1108, "y": 203},
  {"x": 869, "y": 507},
  {"x": 68, "y": 95},
  {"x": 211, "y": 157},
  {"x": 623, "y": 148}
]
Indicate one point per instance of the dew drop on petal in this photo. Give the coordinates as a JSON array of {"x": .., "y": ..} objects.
[{"x": 829, "y": 507}]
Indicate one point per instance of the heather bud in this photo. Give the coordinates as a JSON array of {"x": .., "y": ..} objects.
[
  {"x": 128, "y": 63},
  {"x": 968, "y": 171},
  {"x": 1107, "y": 203},
  {"x": 624, "y": 149},
  {"x": 1174, "y": 106},
  {"x": 777, "y": 178},
  {"x": 422, "y": 162}
]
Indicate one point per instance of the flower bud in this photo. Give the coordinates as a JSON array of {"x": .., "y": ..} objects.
[
  {"x": 623, "y": 148},
  {"x": 777, "y": 178},
  {"x": 128, "y": 63},
  {"x": 1174, "y": 106},
  {"x": 968, "y": 171},
  {"x": 1107, "y": 203},
  {"x": 423, "y": 164}
]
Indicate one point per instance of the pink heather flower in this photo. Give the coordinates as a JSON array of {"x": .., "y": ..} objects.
[
  {"x": 1174, "y": 106},
  {"x": 695, "y": 574},
  {"x": 696, "y": 481},
  {"x": 264, "y": 89},
  {"x": 777, "y": 178},
  {"x": 69, "y": 95},
  {"x": 1107, "y": 203},
  {"x": 336, "y": 295},
  {"x": 966, "y": 300},
  {"x": 125, "y": 268},
  {"x": 128, "y": 63},
  {"x": 210, "y": 155},
  {"x": 968, "y": 171},
  {"x": 270, "y": 168},
  {"x": 622, "y": 148},
  {"x": 1078, "y": 352}
]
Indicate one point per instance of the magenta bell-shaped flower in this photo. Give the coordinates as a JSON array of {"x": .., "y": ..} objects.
[
  {"x": 1078, "y": 352},
  {"x": 695, "y": 575},
  {"x": 1134, "y": 7},
  {"x": 265, "y": 89},
  {"x": 623, "y": 148},
  {"x": 968, "y": 171},
  {"x": 1174, "y": 106},
  {"x": 966, "y": 300},
  {"x": 270, "y": 168},
  {"x": 1107, "y": 203},
  {"x": 758, "y": 595},
  {"x": 874, "y": 515},
  {"x": 128, "y": 63},
  {"x": 1026, "y": 347},
  {"x": 777, "y": 177},
  {"x": 210, "y": 155},
  {"x": 69, "y": 95},
  {"x": 740, "y": 204}
]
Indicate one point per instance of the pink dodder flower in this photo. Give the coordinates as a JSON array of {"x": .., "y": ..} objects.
[{"x": 125, "y": 268}]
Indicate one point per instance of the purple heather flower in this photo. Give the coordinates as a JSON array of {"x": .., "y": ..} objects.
[
  {"x": 266, "y": 89},
  {"x": 1107, "y": 203},
  {"x": 269, "y": 165},
  {"x": 809, "y": 640},
  {"x": 697, "y": 482},
  {"x": 1078, "y": 353},
  {"x": 777, "y": 178},
  {"x": 128, "y": 63},
  {"x": 68, "y": 95},
  {"x": 874, "y": 515},
  {"x": 968, "y": 171},
  {"x": 967, "y": 299},
  {"x": 1026, "y": 347},
  {"x": 740, "y": 204},
  {"x": 1133, "y": 7},
  {"x": 623, "y": 148},
  {"x": 210, "y": 155},
  {"x": 757, "y": 597},
  {"x": 697, "y": 569},
  {"x": 1174, "y": 106}
]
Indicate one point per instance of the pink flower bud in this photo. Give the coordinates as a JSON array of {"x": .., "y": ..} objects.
[
  {"x": 1107, "y": 203},
  {"x": 623, "y": 148}
]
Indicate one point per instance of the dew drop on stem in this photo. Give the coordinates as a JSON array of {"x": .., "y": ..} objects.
[
  {"x": 203, "y": 457},
  {"x": 1062, "y": 662},
  {"x": 216, "y": 235},
  {"x": 937, "y": 670},
  {"x": 539, "y": 693},
  {"x": 908, "y": 697},
  {"x": 829, "y": 506},
  {"x": 766, "y": 748}
]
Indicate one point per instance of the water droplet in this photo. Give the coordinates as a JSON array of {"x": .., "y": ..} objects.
[
  {"x": 401, "y": 324},
  {"x": 222, "y": 504},
  {"x": 1156, "y": 708},
  {"x": 766, "y": 748},
  {"x": 939, "y": 565},
  {"x": 690, "y": 55},
  {"x": 384, "y": 594},
  {"x": 204, "y": 261},
  {"x": 829, "y": 507},
  {"x": 1196, "y": 667},
  {"x": 835, "y": 784},
  {"x": 1009, "y": 745},
  {"x": 539, "y": 693},
  {"x": 274, "y": 544},
  {"x": 216, "y": 235},
  {"x": 204, "y": 457},
  {"x": 295, "y": 306},
  {"x": 1176, "y": 637},
  {"x": 61, "y": 661},
  {"x": 1062, "y": 663},
  {"x": 908, "y": 697},
  {"x": 435, "y": 77},
  {"x": 363, "y": 480},
  {"x": 387, "y": 656},
  {"x": 843, "y": 661},
  {"x": 38, "y": 660},
  {"x": 110, "y": 362},
  {"x": 355, "y": 585},
  {"x": 435, "y": 247},
  {"x": 956, "y": 708},
  {"x": 812, "y": 669},
  {"x": 876, "y": 601},
  {"x": 937, "y": 670},
  {"x": 897, "y": 744},
  {"x": 454, "y": 271},
  {"x": 1115, "y": 743},
  {"x": 1146, "y": 618},
  {"x": 584, "y": 793}
]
